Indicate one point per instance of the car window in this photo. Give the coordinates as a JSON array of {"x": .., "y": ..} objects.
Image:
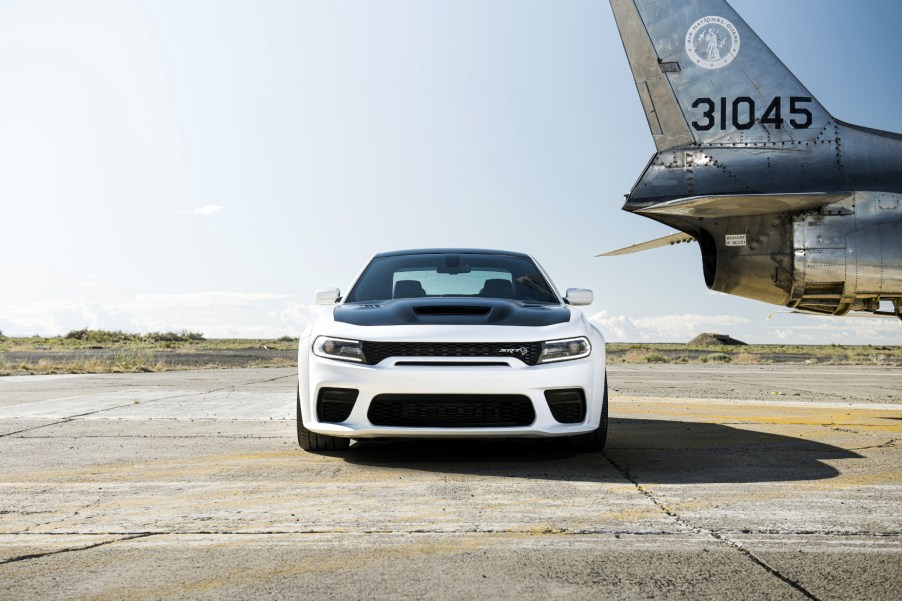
[
  {"x": 446, "y": 284},
  {"x": 452, "y": 275}
]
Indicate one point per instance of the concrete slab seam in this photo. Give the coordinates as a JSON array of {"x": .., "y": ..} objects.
[{"x": 364, "y": 532}]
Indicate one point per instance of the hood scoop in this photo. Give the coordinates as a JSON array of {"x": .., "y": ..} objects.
[{"x": 451, "y": 310}]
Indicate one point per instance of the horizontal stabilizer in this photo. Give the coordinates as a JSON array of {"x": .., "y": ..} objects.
[
  {"x": 713, "y": 207},
  {"x": 659, "y": 242}
]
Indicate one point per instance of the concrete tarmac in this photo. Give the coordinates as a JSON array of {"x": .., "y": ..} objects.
[{"x": 726, "y": 482}]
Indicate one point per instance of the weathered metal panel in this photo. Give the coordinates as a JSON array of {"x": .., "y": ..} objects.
[{"x": 875, "y": 256}]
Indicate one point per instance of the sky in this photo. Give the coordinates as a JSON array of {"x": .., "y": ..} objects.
[{"x": 208, "y": 164}]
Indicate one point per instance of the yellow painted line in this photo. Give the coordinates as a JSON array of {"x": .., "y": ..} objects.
[
  {"x": 858, "y": 371},
  {"x": 885, "y": 419},
  {"x": 616, "y": 399}
]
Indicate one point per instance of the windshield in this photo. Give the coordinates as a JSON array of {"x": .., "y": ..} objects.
[{"x": 462, "y": 274}]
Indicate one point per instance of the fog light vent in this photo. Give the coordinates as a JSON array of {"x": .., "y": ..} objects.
[
  {"x": 334, "y": 405},
  {"x": 567, "y": 406}
]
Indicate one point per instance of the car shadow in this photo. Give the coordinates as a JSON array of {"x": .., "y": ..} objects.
[{"x": 649, "y": 451}]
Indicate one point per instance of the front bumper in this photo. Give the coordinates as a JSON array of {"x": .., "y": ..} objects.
[{"x": 512, "y": 377}]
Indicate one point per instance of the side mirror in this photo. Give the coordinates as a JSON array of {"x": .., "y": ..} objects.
[
  {"x": 327, "y": 296},
  {"x": 579, "y": 296}
]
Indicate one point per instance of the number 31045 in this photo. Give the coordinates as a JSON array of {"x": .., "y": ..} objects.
[{"x": 740, "y": 113}]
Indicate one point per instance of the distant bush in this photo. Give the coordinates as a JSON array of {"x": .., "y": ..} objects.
[
  {"x": 747, "y": 359},
  {"x": 117, "y": 336},
  {"x": 101, "y": 336},
  {"x": 656, "y": 358},
  {"x": 287, "y": 339},
  {"x": 641, "y": 355},
  {"x": 180, "y": 336},
  {"x": 634, "y": 355},
  {"x": 716, "y": 358}
]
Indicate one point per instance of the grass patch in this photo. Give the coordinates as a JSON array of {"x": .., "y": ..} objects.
[
  {"x": 102, "y": 337},
  {"x": 747, "y": 359},
  {"x": 114, "y": 351},
  {"x": 716, "y": 358},
  {"x": 110, "y": 351},
  {"x": 115, "y": 339},
  {"x": 758, "y": 354}
]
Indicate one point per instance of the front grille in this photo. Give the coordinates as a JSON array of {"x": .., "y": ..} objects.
[
  {"x": 451, "y": 410},
  {"x": 528, "y": 352},
  {"x": 334, "y": 405},
  {"x": 451, "y": 310},
  {"x": 567, "y": 406},
  {"x": 452, "y": 363}
]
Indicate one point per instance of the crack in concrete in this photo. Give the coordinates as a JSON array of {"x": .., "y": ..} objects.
[
  {"x": 839, "y": 428},
  {"x": 836, "y": 427},
  {"x": 97, "y": 500},
  {"x": 291, "y": 375},
  {"x": 889, "y": 443},
  {"x": 809, "y": 532},
  {"x": 711, "y": 533},
  {"x": 72, "y": 549},
  {"x": 32, "y": 428}
]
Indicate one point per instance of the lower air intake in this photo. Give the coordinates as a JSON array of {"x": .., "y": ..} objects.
[
  {"x": 567, "y": 406},
  {"x": 451, "y": 410},
  {"x": 334, "y": 405}
]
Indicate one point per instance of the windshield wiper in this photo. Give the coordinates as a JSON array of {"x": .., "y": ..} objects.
[{"x": 537, "y": 286}]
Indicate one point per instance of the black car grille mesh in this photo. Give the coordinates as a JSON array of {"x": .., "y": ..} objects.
[
  {"x": 451, "y": 410},
  {"x": 528, "y": 352}
]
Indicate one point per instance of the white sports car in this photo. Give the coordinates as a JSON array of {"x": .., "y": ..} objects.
[{"x": 452, "y": 343}]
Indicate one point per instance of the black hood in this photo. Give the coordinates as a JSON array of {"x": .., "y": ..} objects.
[{"x": 451, "y": 311}]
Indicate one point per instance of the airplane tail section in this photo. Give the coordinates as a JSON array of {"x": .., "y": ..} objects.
[{"x": 705, "y": 77}]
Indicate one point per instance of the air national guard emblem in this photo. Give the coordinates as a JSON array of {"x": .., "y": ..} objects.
[{"x": 712, "y": 42}]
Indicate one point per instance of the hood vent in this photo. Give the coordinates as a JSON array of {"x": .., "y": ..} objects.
[{"x": 451, "y": 310}]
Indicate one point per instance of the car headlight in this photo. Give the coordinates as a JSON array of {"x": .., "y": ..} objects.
[
  {"x": 564, "y": 350},
  {"x": 338, "y": 348}
]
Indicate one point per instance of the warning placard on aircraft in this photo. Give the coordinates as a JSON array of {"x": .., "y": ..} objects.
[{"x": 735, "y": 239}]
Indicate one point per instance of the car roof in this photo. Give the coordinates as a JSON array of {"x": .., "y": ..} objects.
[{"x": 455, "y": 251}]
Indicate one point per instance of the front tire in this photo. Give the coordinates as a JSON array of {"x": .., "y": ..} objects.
[{"x": 311, "y": 441}]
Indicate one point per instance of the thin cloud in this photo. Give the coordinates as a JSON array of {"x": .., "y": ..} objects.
[
  {"x": 664, "y": 328},
  {"x": 207, "y": 210},
  {"x": 779, "y": 328},
  {"x": 221, "y": 314},
  {"x": 215, "y": 313}
]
